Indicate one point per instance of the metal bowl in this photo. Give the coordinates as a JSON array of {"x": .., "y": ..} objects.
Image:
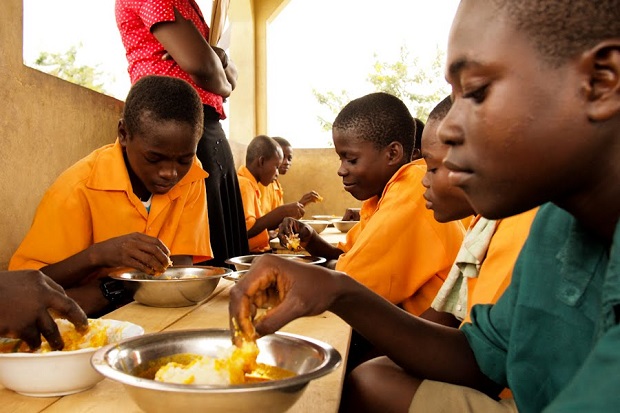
[
  {"x": 126, "y": 362},
  {"x": 245, "y": 261},
  {"x": 178, "y": 286},
  {"x": 235, "y": 275},
  {"x": 344, "y": 226},
  {"x": 57, "y": 373}
]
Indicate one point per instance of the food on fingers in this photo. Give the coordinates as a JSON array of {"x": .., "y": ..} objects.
[{"x": 293, "y": 242}]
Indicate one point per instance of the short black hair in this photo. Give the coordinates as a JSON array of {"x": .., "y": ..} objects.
[
  {"x": 380, "y": 118},
  {"x": 261, "y": 145},
  {"x": 419, "y": 128},
  {"x": 283, "y": 142},
  {"x": 441, "y": 110},
  {"x": 562, "y": 29},
  {"x": 162, "y": 98}
]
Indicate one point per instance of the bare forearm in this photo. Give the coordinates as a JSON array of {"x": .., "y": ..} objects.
[
  {"x": 268, "y": 221},
  {"x": 72, "y": 270},
  {"x": 422, "y": 348},
  {"x": 88, "y": 297},
  {"x": 318, "y": 247}
]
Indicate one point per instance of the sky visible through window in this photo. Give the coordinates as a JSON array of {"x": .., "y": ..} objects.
[{"x": 326, "y": 45}]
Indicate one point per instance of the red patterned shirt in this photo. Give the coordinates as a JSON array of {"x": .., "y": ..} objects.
[{"x": 136, "y": 18}]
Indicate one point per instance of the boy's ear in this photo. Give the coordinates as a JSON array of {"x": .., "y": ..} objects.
[
  {"x": 122, "y": 133},
  {"x": 603, "y": 91},
  {"x": 395, "y": 153}
]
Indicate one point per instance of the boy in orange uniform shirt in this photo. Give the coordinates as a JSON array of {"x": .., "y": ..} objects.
[
  {"x": 134, "y": 203},
  {"x": 535, "y": 121},
  {"x": 262, "y": 160},
  {"x": 397, "y": 249},
  {"x": 272, "y": 195},
  {"x": 483, "y": 267}
]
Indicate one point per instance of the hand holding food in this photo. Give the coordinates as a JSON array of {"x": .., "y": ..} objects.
[
  {"x": 292, "y": 229},
  {"x": 25, "y": 298},
  {"x": 287, "y": 289},
  {"x": 311, "y": 196},
  {"x": 292, "y": 210},
  {"x": 136, "y": 250},
  {"x": 293, "y": 243}
]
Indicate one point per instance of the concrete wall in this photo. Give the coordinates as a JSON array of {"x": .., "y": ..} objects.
[
  {"x": 46, "y": 124},
  {"x": 317, "y": 169}
]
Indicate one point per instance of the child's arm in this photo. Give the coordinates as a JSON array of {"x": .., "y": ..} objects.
[
  {"x": 136, "y": 250},
  {"x": 272, "y": 219},
  {"x": 292, "y": 290}
]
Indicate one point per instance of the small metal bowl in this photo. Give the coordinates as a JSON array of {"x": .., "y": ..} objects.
[
  {"x": 178, "y": 286},
  {"x": 245, "y": 261},
  {"x": 127, "y": 361}
]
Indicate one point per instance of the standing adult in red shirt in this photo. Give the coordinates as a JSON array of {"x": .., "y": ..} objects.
[{"x": 169, "y": 37}]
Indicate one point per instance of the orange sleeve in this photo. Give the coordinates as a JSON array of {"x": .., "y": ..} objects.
[
  {"x": 496, "y": 270},
  {"x": 401, "y": 252},
  {"x": 252, "y": 210},
  {"x": 62, "y": 227}
]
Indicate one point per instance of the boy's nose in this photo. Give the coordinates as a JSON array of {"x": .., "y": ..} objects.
[
  {"x": 169, "y": 172},
  {"x": 449, "y": 130},
  {"x": 426, "y": 181}
]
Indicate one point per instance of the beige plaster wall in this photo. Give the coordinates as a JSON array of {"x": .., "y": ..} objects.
[
  {"x": 46, "y": 124},
  {"x": 316, "y": 169}
]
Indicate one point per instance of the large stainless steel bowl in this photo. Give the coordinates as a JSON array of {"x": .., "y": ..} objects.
[
  {"x": 245, "y": 261},
  {"x": 124, "y": 362},
  {"x": 178, "y": 286}
]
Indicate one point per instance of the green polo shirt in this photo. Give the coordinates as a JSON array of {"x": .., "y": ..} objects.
[{"x": 553, "y": 337}]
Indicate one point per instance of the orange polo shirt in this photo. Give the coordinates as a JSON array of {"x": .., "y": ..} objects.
[
  {"x": 271, "y": 196},
  {"x": 93, "y": 201},
  {"x": 496, "y": 269},
  {"x": 251, "y": 196},
  {"x": 397, "y": 249}
]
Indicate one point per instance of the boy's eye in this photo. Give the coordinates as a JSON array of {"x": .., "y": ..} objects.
[
  {"x": 186, "y": 161},
  {"x": 431, "y": 171},
  {"x": 477, "y": 95},
  {"x": 151, "y": 159}
]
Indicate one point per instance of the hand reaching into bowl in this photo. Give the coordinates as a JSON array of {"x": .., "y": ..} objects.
[
  {"x": 35, "y": 294},
  {"x": 288, "y": 290}
]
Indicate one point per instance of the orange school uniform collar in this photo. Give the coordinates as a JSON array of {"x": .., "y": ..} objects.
[{"x": 109, "y": 173}]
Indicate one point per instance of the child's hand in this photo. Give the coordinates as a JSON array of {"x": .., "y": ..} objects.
[
  {"x": 140, "y": 251},
  {"x": 288, "y": 290},
  {"x": 293, "y": 210},
  {"x": 289, "y": 227},
  {"x": 35, "y": 293},
  {"x": 351, "y": 214},
  {"x": 311, "y": 196}
]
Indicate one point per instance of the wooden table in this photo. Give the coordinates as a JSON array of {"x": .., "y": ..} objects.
[
  {"x": 333, "y": 236},
  {"x": 322, "y": 395}
]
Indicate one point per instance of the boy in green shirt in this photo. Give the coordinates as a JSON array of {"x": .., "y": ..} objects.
[{"x": 535, "y": 120}]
